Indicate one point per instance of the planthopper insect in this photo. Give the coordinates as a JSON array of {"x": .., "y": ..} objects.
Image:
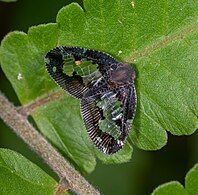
[{"x": 105, "y": 88}]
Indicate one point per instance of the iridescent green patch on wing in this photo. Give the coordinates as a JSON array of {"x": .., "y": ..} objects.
[
  {"x": 112, "y": 112},
  {"x": 82, "y": 67},
  {"x": 86, "y": 68},
  {"x": 68, "y": 65}
]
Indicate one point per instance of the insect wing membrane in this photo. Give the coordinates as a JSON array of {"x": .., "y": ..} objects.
[
  {"x": 109, "y": 118},
  {"x": 54, "y": 64},
  {"x": 107, "y": 112},
  {"x": 91, "y": 115}
]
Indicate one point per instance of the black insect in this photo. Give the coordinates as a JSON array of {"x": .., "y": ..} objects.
[{"x": 107, "y": 93}]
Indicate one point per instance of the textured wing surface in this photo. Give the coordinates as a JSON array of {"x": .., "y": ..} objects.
[
  {"x": 108, "y": 119},
  {"x": 105, "y": 88},
  {"x": 76, "y": 84},
  {"x": 103, "y": 60},
  {"x": 91, "y": 115},
  {"x": 54, "y": 65}
]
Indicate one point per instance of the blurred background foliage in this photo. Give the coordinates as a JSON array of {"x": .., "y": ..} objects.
[{"x": 141, "y": 175}]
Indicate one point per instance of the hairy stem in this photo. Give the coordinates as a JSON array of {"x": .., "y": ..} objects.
[{"x": 20, "y": 125}]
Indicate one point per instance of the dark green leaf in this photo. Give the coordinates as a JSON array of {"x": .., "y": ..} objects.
[
  {"x": 174, "y": 187},
  {"x": 20, "y": 176}
]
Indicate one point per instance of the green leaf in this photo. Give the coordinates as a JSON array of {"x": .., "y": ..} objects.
[
  {"x": 22, "y": 54},
  {"x": 191, "y": 181},
  {"x": 61, "y": 123},
  {"x": 125, "y": 154},
  {"x": 159, "y": 36},
  {"x": 20, "y": 176},
  {"x": 174, "y": 187}
]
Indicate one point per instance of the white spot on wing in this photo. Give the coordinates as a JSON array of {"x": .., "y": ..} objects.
[
  {"x": 47, "y": 60},
  {"x": 98, "y": 139},
  {"x": 117, "y": 117},
  {"x": 120, "y": 142},
  {"x": 104, "y": 150},
  {"x": 96, "y": 83}
]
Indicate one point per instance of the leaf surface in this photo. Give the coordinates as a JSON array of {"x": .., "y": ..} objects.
[
  {"x": 160, "y": 37},
  {"x": 174, "y": 187},
  {"x": 20, "y": 176}
]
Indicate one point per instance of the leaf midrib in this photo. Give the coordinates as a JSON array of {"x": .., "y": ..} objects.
[{"x": 152, "y": 47}]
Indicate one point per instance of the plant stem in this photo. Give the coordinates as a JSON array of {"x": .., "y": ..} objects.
[
  {"x": 29, "y": 108},
  {"x": 21, "y": 126}
]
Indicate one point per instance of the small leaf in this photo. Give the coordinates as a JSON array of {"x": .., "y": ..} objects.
[
  {"x": 159, "y": 36},
  {"x": 20, "y": 176},
  {"x": 174, "y": 187},
  {"x": 192, "y": 180}
]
